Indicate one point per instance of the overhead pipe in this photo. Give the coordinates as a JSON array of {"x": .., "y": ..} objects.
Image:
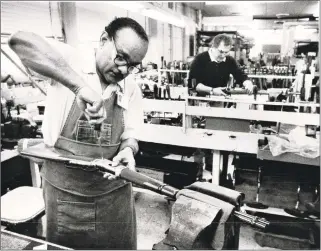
[
  {"x": 274, "y": 17},
  {"x": 301, "y": 23}
]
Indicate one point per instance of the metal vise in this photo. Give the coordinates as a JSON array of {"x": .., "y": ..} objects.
[{"x": 203, "y": 217}]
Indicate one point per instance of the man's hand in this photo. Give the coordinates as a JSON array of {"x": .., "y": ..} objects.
[
  {"x": 90, "y": 103},
  {"x": 248, "y": 86},
  {"x": 219, "y": 92},
  {"x": 126, "y": 157}
]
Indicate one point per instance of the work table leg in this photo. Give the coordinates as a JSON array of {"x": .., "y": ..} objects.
[
  {"x": 216, "y": 166},
  {"x": 35, "y": 174}
]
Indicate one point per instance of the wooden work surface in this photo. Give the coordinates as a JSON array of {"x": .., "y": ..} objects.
[
  {"x": 197, "y": 138},
  {"x": 8, "y": 154}
]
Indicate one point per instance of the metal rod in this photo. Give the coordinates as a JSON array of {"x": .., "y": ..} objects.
[
  {"x": 255, "y": 221},
  {"x": 26, "y": 74}
]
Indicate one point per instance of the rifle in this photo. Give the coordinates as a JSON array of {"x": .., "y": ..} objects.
[{"x": 40, "y": 151}]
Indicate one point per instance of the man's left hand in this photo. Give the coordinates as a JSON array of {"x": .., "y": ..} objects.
[
  {"x": 248, "y": 86},
  {"x": 126, "y": 157}
]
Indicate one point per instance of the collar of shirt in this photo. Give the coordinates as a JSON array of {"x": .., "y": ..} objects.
[
  {"x": 211, "y": 54},
  {"x": 89, "y": 69}
]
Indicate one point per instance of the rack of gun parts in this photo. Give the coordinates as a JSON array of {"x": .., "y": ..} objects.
[{"x": 159, "y": 187}]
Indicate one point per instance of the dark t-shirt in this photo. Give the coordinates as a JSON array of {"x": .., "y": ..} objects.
[{"x": 215, "y": 74}]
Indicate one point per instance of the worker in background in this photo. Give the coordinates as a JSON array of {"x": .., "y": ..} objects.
[
  {"x": 85, "y": 209},
  {"x": 212, "y": 69},
  {"x": 147, "y": 80},
  {"x": 301, "y": 64}
]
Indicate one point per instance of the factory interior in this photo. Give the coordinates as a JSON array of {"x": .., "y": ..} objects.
[{"x": 204, "y": 132}]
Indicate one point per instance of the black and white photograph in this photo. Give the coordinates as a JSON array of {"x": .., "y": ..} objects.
[{"x": 136, "y": 125}]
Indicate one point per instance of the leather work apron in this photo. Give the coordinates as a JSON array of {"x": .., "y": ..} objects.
[{"x": 83, "y": 209}]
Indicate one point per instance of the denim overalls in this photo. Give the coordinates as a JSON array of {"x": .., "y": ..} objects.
[{"x": 83, "y": 209}]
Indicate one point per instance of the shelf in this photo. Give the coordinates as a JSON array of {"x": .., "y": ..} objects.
[
  {"x": 168, "y": 70},
  {"x": 272, "y": 76},
  {"x": 251, "y": 101}
]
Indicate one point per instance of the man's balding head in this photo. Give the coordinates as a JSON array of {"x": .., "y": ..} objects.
[{"x": 125, "y": 38}]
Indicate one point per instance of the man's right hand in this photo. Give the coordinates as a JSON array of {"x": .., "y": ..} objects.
[
  {"x": 91, "y": 103},
  {"x": 219, "y": 92}
]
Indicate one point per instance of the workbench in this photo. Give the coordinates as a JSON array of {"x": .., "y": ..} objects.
[
  {"x": 34, "y": 168},
  {"x": 204, "y": 139},
  {"x": 219, "y": 140}
]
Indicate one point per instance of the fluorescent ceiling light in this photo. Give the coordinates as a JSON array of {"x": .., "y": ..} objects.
[
  {"x": 242, "y": 2},
  {"x": 150, "y": 11},
  {"x": 299, "y": 27},
  {"x": 132, "y": 6},
  {"x": 227, "y": 20},
  {"x": 164, "y": 17}
]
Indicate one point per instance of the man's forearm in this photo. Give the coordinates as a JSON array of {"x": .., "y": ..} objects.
[
  {"x": 36, "y": 54},
  {"x": 201, "y": 88},
  {"x": 130, "y": 142}
]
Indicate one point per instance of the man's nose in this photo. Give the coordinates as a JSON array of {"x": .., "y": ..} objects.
[{"x": 123, "y": 69}]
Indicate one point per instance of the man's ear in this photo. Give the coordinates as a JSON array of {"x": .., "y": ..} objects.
[{"x": 103, "y": 38}]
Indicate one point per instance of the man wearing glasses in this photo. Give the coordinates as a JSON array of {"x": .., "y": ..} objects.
[
  {"x": 92, "y": 110},
  {"x": 212, "y": 69}
]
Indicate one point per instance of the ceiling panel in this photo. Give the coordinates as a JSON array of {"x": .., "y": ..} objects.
[{"x": 252, "y": 8}]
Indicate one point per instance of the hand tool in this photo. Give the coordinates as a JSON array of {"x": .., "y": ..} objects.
[
  {"x": 97, "y": 124},
  {"x": 97, "y": 128}
]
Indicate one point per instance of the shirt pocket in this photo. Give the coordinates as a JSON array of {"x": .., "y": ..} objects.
[
  {"x": 85, "y": 132},
  {"x": 76, "y": 217}
]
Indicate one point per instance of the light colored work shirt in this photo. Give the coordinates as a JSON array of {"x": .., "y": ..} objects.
[{"x": 59, "y": 98}]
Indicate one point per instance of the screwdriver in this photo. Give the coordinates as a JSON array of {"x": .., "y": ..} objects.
[
  {"x": 97, "y": 128},
  {"x": 97, "y": 121}
]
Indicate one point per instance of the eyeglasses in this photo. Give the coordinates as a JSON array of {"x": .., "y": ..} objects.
[{"x": 120, "y": 60}]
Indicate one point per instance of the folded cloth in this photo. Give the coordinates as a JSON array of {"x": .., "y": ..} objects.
[
  {"x": 219, "y": 192},
  {"x": 225, "y": 226},
  {"x": 297, "y": 144}
]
